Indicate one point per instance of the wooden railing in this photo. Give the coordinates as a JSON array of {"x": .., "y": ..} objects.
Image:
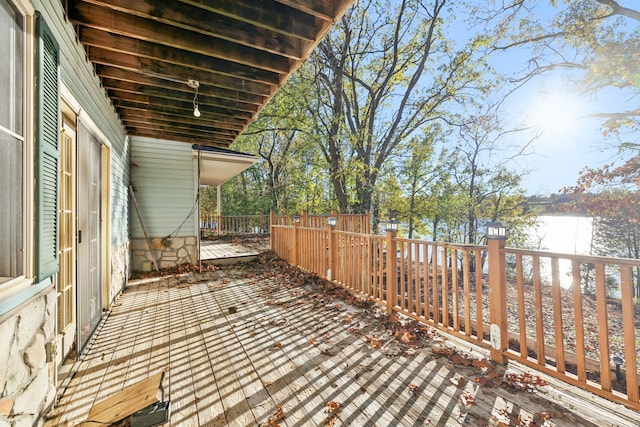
[
  {"x": 214, "y": 225},
  {"x": 356, "y": 223},
  {"x": 558, "y": 323},
  {"x": 234, "y": 224},
  {"x": 510, "y": 301}
]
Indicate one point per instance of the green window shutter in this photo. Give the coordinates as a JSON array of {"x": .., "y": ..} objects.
[{"x": 47, "y": 153}]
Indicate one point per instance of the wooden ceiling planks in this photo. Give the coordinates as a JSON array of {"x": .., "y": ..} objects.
[{"x": 240, "y": 52}]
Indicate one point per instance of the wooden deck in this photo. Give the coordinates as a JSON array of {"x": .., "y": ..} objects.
[
  {"x": 220, "y": 251},
  {"x": 238, "y": 343}
]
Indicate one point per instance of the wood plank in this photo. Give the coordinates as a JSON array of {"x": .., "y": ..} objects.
[
  {"x": 537, "y": 306},
  {"x": 522, "y": 319},
  {"x": 629, "y": 331},
  {"x": 176, "y": 73},
  {"x": 132, "y": 399},
  {"x": 172, "y": 115},
  {"x": 180, "y": 15},
  {"x": 557, "y": 314},
  {"x": 220, "y": 344},
  {"x": 479, "y": 296},
  {"x": 455, "y": 311},
  {"x": 434, "y": 273},
  {"x": 177, "y": 95},
  {"x": 425, "y": 283},
  {"x": 186, "y": 40},
  {"x": 578, "y": 320},
  {"x": 138, "y": 79},
  {"x": 466, "y": 292},
  {"x": 603, "y": 328},
  {"x": 445, "y": 287},
  {"x": 181, "y": 391},
  {"x": 268, "y": 14},
  {"x": 416, "y": 266}
]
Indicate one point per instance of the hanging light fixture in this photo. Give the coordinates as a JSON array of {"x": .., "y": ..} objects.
[{"x": 194, "y": 84}]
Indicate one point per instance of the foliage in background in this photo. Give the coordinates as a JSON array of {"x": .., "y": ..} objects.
[{"x": 398, "y": 114}]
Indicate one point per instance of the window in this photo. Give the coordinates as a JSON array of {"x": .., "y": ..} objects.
[{"x": 12, "y": 141}]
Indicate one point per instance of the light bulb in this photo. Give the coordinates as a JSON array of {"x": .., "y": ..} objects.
[{"x": 196, "y": 111}]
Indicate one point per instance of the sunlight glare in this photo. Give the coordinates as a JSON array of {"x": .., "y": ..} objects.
[{"x": 555, "y": 112}]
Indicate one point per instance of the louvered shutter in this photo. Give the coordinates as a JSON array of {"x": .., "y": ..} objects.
[{"x": 46, "y": 153}]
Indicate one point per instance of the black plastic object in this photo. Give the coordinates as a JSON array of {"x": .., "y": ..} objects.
[{"x": 153, "y": 415}]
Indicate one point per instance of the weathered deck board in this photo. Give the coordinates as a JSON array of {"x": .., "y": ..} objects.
[
  {"x": 220, "y": 250},
  {"x": 225, "y": 367}
]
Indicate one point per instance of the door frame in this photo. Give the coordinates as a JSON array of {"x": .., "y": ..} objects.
[{"x": 65, "y": 335}]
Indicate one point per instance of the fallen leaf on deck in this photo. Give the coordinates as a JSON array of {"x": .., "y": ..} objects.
[
  {"x": 524, "y": 381},
  {"x": 467, "y": 399},
  {"x": 332, "y": 409},
  {"x": 407, "y": 337},
  {"x": 413, "y": 388}
]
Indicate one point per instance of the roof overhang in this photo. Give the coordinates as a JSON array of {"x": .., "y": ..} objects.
[
  {"x": 239, "y": 51},
  {"x": 218, "y": 165}
]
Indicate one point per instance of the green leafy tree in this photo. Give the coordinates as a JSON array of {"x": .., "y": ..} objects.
[{"x": 384, "y": 73}]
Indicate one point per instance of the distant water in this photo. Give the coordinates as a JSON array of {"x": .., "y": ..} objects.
[
  {"x": 564, "y": 234},
  {"x": 561, "y": 234}
]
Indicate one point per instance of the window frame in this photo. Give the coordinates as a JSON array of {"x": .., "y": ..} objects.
[{"x": 16, "y": 284}]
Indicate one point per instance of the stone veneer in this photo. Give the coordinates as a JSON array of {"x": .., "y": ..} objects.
[
  {"x": 167, "y": 252},
  {"x": 26, "y": 377},
  {"x": 120, "y": 263}
]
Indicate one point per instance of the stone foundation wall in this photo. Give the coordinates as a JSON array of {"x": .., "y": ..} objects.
[
  {"x": 120, "y": 269},
  {"x": 167, "y": 252},
  {"x": 26, "y": 378}
]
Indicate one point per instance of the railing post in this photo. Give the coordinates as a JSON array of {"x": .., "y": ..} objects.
[
  {"x": 366, "y": 229},
  {"x": 294, "y": 244},
  {"x": 392, "y": 270},
  {"x": 272, "y": 217},
  {"x": 332, "y": 252},
  {"x": 497, "y": 298}
]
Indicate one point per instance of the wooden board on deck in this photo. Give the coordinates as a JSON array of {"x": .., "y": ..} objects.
[{"x": 124, "y": 403}]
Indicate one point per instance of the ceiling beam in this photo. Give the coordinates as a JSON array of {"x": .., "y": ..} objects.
[
  {"x": 133, "y": 121},
  {"x": 127, "y": 76},
  {"x": 120, "y": 44},
  {"x": 129, "y": 109},
  {"x": 322, "y": 9},
  {"x": 269, "y": 14},
  {"x": 176, "y": 95},
  {"x": 126, "y": 15},
  {"x": 170, "y": 128},
  {"x": 158, "y": 103},
  {"x": 180, "y": 136},
  {"x": 211, "y": 115},
  {"x": 173, "y": 72}
]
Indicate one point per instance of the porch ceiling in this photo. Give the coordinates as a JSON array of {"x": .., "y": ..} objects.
[{"x": 240, "y": 51}]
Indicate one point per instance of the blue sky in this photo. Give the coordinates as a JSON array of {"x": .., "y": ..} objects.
[{"x": 569, "y": 141}]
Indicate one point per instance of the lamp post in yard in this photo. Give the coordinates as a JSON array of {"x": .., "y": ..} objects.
[{"x": 496, "y": 238}]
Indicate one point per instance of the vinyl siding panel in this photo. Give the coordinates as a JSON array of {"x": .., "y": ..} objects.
[
  {"x": 79, "y": 77},
  {"x": 163, "y": 175}
]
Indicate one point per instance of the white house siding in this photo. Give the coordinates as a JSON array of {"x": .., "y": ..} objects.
[
  {"x": 163, "y": 175},
  {"x": 27, "y": 319}
]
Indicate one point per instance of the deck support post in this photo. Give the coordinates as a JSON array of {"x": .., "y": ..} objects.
[
  {"x": 392, "y": 270},
  {"x": 497, "y": 299}
]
